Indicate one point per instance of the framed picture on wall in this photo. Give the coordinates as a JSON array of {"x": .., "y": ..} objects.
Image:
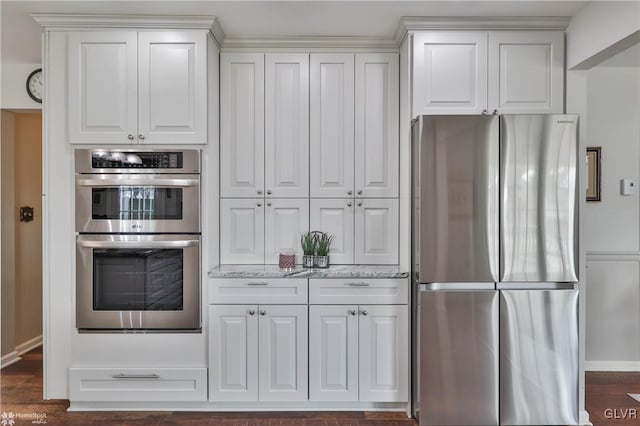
[{"x": 594, "y": 169}]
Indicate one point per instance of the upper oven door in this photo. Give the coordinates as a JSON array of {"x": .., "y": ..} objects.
[{"x": 149, "y": 203}]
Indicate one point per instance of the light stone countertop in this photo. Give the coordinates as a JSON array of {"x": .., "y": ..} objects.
[{"x": 334, "y": 271}]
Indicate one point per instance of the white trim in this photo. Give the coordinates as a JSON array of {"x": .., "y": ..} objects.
[
  {"x": 236, "y": 407},
  {"x": 584, "y": 418},
  {"x": 30, "y": 344},
  {"x": 10, "y": 358},
  {"x": 416, "y": 23},
  {"x": 612, "y": 366},
  {"x": 306, "y": 43},
  {"x": 633, "y": 256}
]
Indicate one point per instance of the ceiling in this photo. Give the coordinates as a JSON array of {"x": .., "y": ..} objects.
[{"x": 241, "y": 18}]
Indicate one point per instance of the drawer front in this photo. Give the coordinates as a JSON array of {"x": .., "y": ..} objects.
[
  {"x": 138, "y": 384},
  {"x": 281, "y": 291},
  {"x": 358, "y": 291}
]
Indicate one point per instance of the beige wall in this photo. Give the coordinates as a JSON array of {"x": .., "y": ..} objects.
[{"x": 7, "y": 231}]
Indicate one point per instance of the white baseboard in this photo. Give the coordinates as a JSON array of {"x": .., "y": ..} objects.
[
  {"x": 10, "y": 358},
  {"x": 612, "y": 365},
  {"x": 584, "y": 418},
  {"x": 30, "y": 344}
]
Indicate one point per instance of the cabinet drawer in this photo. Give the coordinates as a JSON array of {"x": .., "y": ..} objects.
[
  {"x": 279, "y": 291},
  {"x": 358, "y": 291},
  {"x": 138, "y": 384}
]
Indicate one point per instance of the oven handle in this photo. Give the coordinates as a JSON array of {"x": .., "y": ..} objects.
[
  {"x": 138, "y": 182},
  {"x": 138, "y": 244}
]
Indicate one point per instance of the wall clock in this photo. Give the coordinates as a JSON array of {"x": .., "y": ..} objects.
[{"x": 34, "y": 85}]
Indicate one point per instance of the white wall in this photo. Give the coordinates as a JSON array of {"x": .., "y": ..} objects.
[
  {"x": 14, "y": 86},
  {"x": 611, "y": 228}
]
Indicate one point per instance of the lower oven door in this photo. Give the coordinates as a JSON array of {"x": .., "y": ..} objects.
[{"x": 126, "y": 282}]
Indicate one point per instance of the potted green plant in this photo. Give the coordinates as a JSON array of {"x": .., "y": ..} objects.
[
  {"x": 308, "y": 242},
  {"x": 323, "y": 245}
]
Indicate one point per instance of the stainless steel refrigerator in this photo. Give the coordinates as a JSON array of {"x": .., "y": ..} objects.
[{"x": 495, "y": 270}]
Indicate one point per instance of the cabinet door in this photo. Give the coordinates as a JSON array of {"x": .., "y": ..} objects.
[
  {"x": 233, "y": 352},
  {"x": 287, "y": 124},
  {"x": 332, "y": 121},
  {"x": 383, "y": 332},
  {"x": 172, "y": 84},
  {"x": 285, "y": 221},
  {"x": 336, "y": 218},
  {"x": 526, "y": 72},
  {"x": 103, "y": 79},
  {"x": 376, "y": 231},
  {"x": 283, "y": 353},
  {"x": 241, "y": 231},
  {"x": 450, "y": 72},
  {"x": 241, "y": 124},
  {"x": 333, "y": 353},
  {"x": 376, "y": 124}
]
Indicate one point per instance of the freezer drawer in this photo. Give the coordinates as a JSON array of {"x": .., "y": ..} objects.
[
  {"x": 539, "y": 357},
  {"x": 458, "y": 359}
]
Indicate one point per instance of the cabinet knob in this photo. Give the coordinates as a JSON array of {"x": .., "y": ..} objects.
[
  {"x": 365, "y": 313},
  {"x": 495, "y": 112},
  {"x": 269, "y": 203},
  {"x": 263, "y": 312},
  {"x": 352, "y": 312},
  {"x": 252, "y": 312},
  {"x": 259, "y": 204},
  {"x": 484, "y": 112},
  {"x": 349, "y": 203},
  {"x": 360, "y": 203},
  {"x": 359, "y": 191},
  {"x": 259, "y": 191},
  {"x": 130, "y": 137},
  {"x": 141, "y": 136},
  {"x": 349, "y": 192},
  {"x": 268, "y": 192}
]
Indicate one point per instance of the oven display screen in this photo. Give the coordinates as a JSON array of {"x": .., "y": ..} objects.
[
  {"x": 136, "y": 160},
  {"x": 136, "y": 203},
  {"x": 138, "y": 279}
]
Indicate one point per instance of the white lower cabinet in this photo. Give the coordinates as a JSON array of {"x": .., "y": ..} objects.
[
  {"x": 358, "y": 353},
  {"x": 258, "y": 353}
]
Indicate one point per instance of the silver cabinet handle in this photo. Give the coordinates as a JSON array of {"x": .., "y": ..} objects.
[
  {"x": 259, "y": 191},
  {"x": 365, "y": 313},
  {"x": 359, "y": 191},
  {"x": 349, "y": 192},
  {"x": 263, "y": 312},
  {"x": 353, "y": 312},
  {"x": 269, "y": 203},
  {"x": 252, "y": 312},
  {"x": 258, "y": 283},
  {"x": 358, "y": 284},
  {"x": 349, "y": 203},
  {"x": 495, "y": 112},
  {"x": 130, "y": 137},
  {"x": 268, "y": 192},
  {"x": 484, "y": 112},
  {"x": 136, "y": 376},
  {"x": 259, "y": 204},
  {"x": 141, "y": 136},
  {"x": 360, "y": 203}
]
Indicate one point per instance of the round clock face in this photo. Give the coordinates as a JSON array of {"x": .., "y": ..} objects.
[{"x": 34, "y": 85}]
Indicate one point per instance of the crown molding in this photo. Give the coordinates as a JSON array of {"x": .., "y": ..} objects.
[
  {"x": 550, "y": 23},
  {"x": 310, "y": 43},
  {"x": 65, "y": 22}
]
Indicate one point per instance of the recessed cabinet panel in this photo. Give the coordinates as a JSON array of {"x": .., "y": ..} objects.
[
  {"x": 283, "y": 353},
  {"x": 241, "y": 231},
  {"x": 241, "y": 124},
  {"x": 384, "y": 353},
  {"x": 333, "y": 349},
  {"x": 336, "y": 218},
  {"x": 287, "y": 124},
  {"x": 450, "y": 72},
  {"x": 286, "y": 220},
  {"x": 376, "y": 124},
  {"x": 332, "y": 125},
  {"x": 172, "y": 87},
  {"x": 376, "y": 231},
  {"x": 103, "y": 78},
  {"x": 233, "y": 372},
  {"x": 526, "y": 72}
]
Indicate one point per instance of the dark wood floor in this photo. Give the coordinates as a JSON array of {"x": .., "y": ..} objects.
[
  {"x": 21, "y": 392},
  {"x": 606, "y": 400}
]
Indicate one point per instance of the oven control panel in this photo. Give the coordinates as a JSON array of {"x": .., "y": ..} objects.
[{"x": 137, "y": 160}]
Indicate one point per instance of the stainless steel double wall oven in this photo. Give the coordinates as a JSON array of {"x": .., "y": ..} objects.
[{"x": 138, "y": 239}]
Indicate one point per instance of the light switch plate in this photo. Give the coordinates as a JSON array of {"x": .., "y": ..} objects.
[{"x": 627, "y": 186}]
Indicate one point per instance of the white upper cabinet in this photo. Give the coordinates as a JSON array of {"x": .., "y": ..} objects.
[
  {"x": 138, "y": 87},
  {"x": 526, "y": 72},
  {"x": 376, "y": 231},
  {"x": 103, "y": 87},
  {"x": 285, "y": 221},
  {"x": 287, "y": 124},
  {"x": 450, "y": 72},
  {"x": 242, "y": 124},
  {"x": 172, "y": 70},
  {"x": 376, "y": 124},
  {"x": 336, "y": 217},
  {"x": 241, "y": 231},
  {"x": 332, "y": 125}
]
